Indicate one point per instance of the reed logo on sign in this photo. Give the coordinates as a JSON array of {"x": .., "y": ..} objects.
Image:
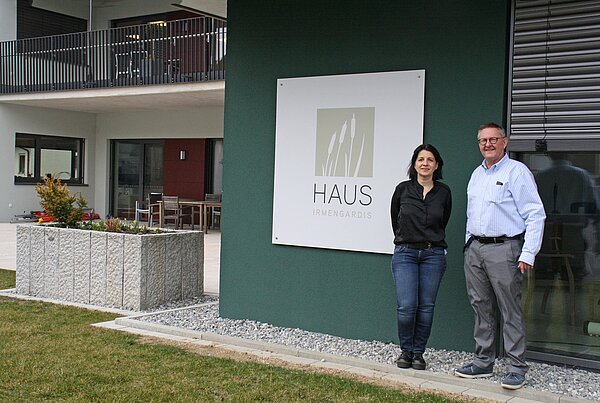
[
  {"x": 344, "y": 153},
  {"x": 344, "y": 145}
]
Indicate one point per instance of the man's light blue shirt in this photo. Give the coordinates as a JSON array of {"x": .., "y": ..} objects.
[{"x": 503, "y": 201}]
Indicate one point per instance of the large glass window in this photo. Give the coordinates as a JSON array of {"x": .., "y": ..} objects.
[
  {"x": 561, "y": 295},
  {"x": 553, "y": 109},
  {"x": 37, "y": 156},
  {"x": 137, "y": 170}
]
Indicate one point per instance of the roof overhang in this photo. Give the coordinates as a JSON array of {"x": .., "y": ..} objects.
[
  {"x": 127, "y": 99},
  {"x": 80, "y": 8},
  {"x": 211, "y": 8}
]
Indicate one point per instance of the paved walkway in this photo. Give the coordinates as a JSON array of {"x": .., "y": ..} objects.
[
  {"x": 429, "y": 381},
  {"x": 477, "y": 390},
  {"x": 8, "y": 246}
]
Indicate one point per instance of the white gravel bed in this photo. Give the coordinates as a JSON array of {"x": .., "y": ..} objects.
[
  {"x": 203, "y": 299},
  {"x": 576, "y": 383}
]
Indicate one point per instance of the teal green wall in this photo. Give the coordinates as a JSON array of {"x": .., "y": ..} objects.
[{"x": 462, "y": 45}]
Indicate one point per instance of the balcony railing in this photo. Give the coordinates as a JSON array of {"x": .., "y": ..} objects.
[{"x": 190, "y": 50}]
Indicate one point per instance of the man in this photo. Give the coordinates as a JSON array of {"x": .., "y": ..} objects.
[{"x": 505, "y": 225}]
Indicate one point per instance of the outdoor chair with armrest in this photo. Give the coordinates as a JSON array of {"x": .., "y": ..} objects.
[
  {"x": 173, "y": 211},
  {"x": 150, "y": 210},
  {"x": 215, "y": 217}
]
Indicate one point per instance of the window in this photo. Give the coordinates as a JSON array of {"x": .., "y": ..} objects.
[
  {"x": 21, "y": 164},
  {"x": 561, "y": 297},
  {"x": 554, "y": 127},
  {"x": 137, "y": 170},
  {"x": 37, "y": 156}
]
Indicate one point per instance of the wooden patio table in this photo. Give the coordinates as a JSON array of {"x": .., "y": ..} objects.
[{"x": 204, "y": 209}]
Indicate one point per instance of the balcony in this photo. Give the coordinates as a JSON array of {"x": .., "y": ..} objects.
[{"x": 190, "y": 50}]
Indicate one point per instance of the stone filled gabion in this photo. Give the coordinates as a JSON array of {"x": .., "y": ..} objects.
[{"x": 571, "y": 382}]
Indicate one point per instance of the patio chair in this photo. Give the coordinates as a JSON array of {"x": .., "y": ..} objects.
[
  {"x": 172, "y": 211},
  {"x": 149, "y": 210},
  {"x": 215, "y": 211}
]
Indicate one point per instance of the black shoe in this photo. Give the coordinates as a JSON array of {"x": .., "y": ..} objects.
[
  {"x": 405, "y": 360},
  {"x": 418, "y": 362}
]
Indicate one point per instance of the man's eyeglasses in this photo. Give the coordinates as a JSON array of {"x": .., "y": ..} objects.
[{"x": 492, "y": 140}]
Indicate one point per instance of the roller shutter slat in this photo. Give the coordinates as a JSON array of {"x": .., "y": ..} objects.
[{"x": 555, "y": 77}]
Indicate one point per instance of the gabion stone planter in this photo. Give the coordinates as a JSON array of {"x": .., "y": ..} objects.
[{"x": 126, "y": 271}]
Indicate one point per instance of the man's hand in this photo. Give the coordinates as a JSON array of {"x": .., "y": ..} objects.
[{"x": 524, "y": 266}]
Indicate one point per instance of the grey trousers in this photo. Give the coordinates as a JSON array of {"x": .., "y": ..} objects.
[{"x": 494, "y": 281}]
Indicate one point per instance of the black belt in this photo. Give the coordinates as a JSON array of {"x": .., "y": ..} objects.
[
  {"x": 497, "y": 239},
  {"x": 418, "y": 245}
]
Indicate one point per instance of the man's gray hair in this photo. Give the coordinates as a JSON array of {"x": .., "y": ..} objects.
[{"x": 491, "y": 125}]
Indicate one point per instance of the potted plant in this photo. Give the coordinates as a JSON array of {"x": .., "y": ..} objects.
[{"x": 108, "y": 263}]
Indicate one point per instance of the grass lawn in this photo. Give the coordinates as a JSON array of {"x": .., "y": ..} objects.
[
  {"x": 50, "y": 352},
  {"x": 7, "y": 279}
]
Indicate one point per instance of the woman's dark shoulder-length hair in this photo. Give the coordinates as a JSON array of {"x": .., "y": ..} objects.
[{"x": 412, "y": 172}]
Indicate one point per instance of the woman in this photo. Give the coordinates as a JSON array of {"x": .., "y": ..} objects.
[{"x": 420, "y": 211}]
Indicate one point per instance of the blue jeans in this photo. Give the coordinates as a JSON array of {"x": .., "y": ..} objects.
[{"x": 417, "y": 275}]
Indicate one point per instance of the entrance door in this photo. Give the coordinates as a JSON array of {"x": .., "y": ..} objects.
[{"x": 137, "y": 169}]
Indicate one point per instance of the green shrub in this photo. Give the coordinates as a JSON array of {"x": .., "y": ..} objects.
[
  {"x": 67, "y": 210},
  {"x": 56, "y": 200}
]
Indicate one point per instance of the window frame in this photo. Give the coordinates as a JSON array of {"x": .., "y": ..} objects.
[{"x": 39, "y": 144}]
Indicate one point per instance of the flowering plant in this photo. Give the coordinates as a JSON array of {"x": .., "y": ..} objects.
[{"x": 116, "y": 225}]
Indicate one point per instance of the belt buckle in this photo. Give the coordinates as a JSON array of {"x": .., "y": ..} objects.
[{"x": 428, "y": 245}]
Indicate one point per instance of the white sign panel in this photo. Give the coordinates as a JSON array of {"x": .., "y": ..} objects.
[{"x": 342, "y": 145}]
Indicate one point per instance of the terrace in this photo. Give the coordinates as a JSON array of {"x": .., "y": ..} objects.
[{"x": 188, "y": 50}]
